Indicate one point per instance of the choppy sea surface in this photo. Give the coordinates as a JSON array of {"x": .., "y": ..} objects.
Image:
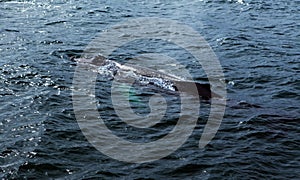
[{"x": 257, "y": 43}]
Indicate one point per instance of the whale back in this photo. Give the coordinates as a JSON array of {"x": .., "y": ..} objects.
[
  {"x": 177, "y": 83},
  {"x": 96, "y": 60}
]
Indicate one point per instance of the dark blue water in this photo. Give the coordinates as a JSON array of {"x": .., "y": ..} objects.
[{"x": 256, "y": 41}]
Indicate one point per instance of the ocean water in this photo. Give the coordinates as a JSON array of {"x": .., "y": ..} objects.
[{"x": 257, "y": 43}]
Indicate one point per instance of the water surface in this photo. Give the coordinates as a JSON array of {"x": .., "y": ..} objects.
[{"x": 257, "y": 43}]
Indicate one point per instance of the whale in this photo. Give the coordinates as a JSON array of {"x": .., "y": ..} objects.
[{"x": 145, "y": 76}]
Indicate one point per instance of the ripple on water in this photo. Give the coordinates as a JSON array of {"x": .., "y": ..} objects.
[{"x": 256, "y": 41}]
